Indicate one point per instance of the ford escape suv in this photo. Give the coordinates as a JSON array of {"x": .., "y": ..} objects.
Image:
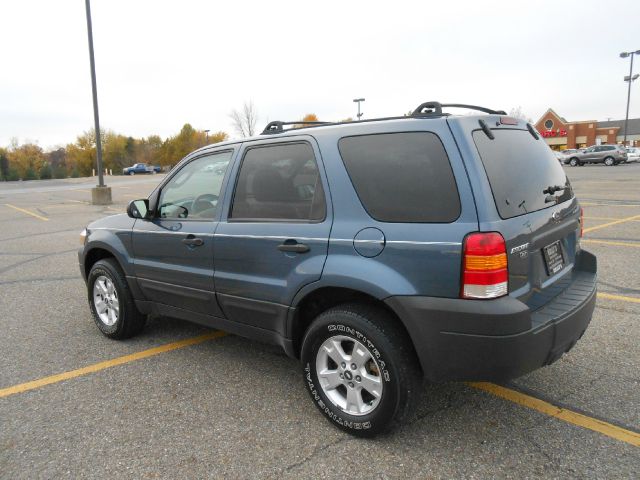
[{"x": 378, "y": 252}]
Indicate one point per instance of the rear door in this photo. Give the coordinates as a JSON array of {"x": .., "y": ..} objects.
[
  {"x": 533, "y": 207},
  {"x": 273, "y": 238}
]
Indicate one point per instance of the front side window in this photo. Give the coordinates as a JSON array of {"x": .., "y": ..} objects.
[
  {"x": 193, "y": 192},
  {"x": 279, "y": 183}
]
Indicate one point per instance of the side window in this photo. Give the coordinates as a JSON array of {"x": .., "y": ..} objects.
[
  {"x": 279, "y": 182},
  {"x": 193, "y": 192},
  {"x": 402, "y": 177}
]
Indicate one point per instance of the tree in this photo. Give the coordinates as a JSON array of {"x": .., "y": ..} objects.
[
  {"x": 4, "y": 164},
  {"x": 27, "y": 159},
  {"x": 244, "y": 122},
  {"x": 309, "y": 117},
  {"x": 518, "y": 113}
]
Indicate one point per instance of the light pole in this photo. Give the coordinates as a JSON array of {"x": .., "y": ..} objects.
[
  {"x": 358, "y": 100},
  {"x": 207, "y": 133},
  {"x": 629, "y": 79},
  {"x": 101, "y": 194}
]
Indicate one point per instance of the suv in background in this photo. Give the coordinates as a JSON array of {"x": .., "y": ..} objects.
[
  {"x": 608, "y": 154},
  {"x": 378, "y": 252}
]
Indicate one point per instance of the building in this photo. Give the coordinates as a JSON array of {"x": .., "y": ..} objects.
[{"x": 560, "y": 133}]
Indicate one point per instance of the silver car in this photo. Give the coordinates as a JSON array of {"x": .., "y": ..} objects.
[{"x": 608, "y": 154}]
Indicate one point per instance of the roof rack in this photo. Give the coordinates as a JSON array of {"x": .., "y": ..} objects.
[
  {"x": 435, "y": 108},
  {"x": 278, "y": 126}
]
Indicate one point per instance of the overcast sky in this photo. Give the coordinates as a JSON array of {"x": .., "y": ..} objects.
[{"x": 161, "y": 64}]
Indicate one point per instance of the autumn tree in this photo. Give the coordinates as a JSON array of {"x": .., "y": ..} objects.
[
  {"x": 27, "y": 159},
  {"x": 244, "y": 121},
  {"x": 4, "y": 164}
]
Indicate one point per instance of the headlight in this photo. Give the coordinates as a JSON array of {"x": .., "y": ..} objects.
[{"x": 83, "y": 236}]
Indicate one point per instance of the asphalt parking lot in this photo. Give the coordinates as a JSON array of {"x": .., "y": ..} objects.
[{"x": 180, "y": 401}]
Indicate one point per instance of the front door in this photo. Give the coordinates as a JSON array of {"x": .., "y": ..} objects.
[
  {"x": 273, "y": 239},
  {"x": 174, "y": 250}
]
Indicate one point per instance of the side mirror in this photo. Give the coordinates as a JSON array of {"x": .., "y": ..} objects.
[{"x": 138, "y": 209}]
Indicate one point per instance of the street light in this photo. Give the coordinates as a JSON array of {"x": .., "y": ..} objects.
[
  {"x": 358, "y": 100},
  {"x": 207, "y": 133},
  {"x": 630, "y": 78},
  {"x": 101, "y": 194}
]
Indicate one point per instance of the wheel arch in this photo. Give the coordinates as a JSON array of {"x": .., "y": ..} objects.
[{"x": 320, "y": 299}]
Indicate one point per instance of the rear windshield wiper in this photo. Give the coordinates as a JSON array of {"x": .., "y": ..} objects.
[{"x": 551, "y": 189}]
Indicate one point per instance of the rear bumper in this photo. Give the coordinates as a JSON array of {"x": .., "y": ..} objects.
[{"x": 497, "y": 339}]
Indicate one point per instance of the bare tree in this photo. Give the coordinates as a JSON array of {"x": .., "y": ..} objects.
[
  {"x": 518, "y": 113},
  {"x": 244, "y": 122}
]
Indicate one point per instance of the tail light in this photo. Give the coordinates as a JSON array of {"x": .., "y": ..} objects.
[
  {"x": 581, "y": 222},
  {"x": 484, "y": 266}
]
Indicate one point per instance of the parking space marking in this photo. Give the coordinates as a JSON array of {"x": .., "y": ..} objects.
[
  {"x": 592, "y": 204},
  {"x": 607, "y": 218},
  {"x": 560, "y": 413},
  {"x": 610, "y": 224},
  {"x": 609, "y": 242},
  {"x": 623, "y": 298},
  {"x": 39, "y": 217},
  {"x": 96, "y": 367}
]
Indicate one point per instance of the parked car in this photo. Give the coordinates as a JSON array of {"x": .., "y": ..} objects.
[
  {"x": 559, "y": 155},
  {"x": 569, "y": 151},
  {"x": 379, "y": 253},
  {"x": 633, "y": 154},
  {"x": 608, "y": 154},
  {"x": 141, "y": 168}
]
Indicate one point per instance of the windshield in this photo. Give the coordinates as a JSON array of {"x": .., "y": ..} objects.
[{"x": 523, "y": 172}]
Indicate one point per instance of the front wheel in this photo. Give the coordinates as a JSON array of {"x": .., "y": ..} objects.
[
  {"x": 112, "y": 305},
  {"x": 609, "y": 161},
  {"x": 573, "y": 162},
  {"x": 360, "y": 369}
]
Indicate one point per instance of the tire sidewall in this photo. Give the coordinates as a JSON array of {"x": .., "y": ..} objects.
[
  {"x": 333, "y": 324},
  {"x": 99, "y": 269}
]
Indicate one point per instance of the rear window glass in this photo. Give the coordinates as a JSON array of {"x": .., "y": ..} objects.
[
  {"x": 402, "y": 177},
  {"x": 520, "y": 168}
]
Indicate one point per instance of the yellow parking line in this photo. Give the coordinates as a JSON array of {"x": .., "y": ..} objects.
[
  {"x": 96, "y": 367},
  {"x": 606, "y": 218},
  {"x": 563, "y": 414},
  {"x": 623, "y": 298},
  {"x": 607, "y": 242},
  {"x": 617, "y": 222},
  {"x": 39, "y": 217}
]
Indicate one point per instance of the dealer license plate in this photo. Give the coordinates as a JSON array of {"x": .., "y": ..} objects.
[{"x": 553, "y": 258}]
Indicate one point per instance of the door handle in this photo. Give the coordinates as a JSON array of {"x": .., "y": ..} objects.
[
  {"x": 293, "y": 246},
  {"x": 192, "y": 241}
]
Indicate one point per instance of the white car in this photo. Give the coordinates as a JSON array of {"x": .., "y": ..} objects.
[{"x": 633, "y": 154}]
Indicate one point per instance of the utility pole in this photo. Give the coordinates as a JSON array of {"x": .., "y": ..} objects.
[
  {"x": 207, "y": 133},
  {"x": 101, "y": 194},
  {"x": 628, "y": 79},
  {"x": 358, "y": 100}
]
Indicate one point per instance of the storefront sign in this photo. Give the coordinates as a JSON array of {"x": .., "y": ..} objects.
[{"x": 554, "y": 133}]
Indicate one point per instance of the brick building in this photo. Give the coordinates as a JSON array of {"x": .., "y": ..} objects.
[{"x": 560, "y": 133}]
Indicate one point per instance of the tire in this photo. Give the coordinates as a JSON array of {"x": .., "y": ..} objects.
[
  {"x": 574, "y": 162},
  {"x": 387, "y": 364},
  {"x": 132, "y": 173},
  {"x": 609, "y": 162},
  {"x": 127, "y": 321}
]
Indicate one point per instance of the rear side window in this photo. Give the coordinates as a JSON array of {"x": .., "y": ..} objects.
[
  {"x": 402, "y": 177},
  {"x": 520, "y": 169},
  {"x": 279, "y": 183}
]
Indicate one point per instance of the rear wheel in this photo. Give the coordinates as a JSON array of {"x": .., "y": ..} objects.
[
  {"x": 574, "y": 162},
  {"x": 609, "y": 161},
  {"x": 112, "y": 305},
  {"x": 360, "y": 369}
]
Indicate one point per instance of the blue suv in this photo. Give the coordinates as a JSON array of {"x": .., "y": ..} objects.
[{"x": 379, "y": 252}]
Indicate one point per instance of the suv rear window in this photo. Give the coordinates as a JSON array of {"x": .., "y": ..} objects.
[
  {"x": 402, "y": 177},
  {"x": 519, "y": 169}
]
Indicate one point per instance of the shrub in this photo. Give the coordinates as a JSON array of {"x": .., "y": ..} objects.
[
  {"x": 75, "y": 173},
  {"x": 12, "y": 175},
  {"x": 30, "y": 174},
  {"x": 59, "y": 172},
  {"x": 45, "y": 172}
]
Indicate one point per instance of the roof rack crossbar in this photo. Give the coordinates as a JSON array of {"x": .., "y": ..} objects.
[
  {"x": 436, "y": 108},
  {"x": 278, "y": 127}
]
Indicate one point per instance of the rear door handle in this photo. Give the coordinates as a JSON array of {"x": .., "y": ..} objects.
[
  {"x": 293, "y": 246},
  {"x": 193, "y": 241}
]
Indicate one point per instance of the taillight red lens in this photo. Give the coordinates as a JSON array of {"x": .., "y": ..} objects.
[{"x": 484, "y": 266}]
